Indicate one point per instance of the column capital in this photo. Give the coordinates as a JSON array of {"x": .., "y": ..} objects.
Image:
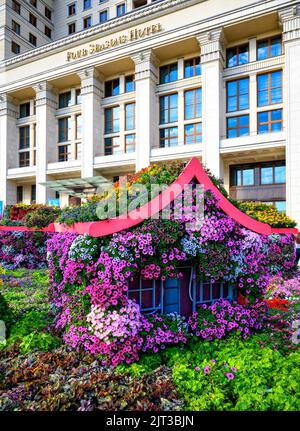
[
  {"x": 146, "y": 64},
  {"x": 8, "y": 106},
  {"x": 45, "y": 94},
  {"x": 212, "y": 45},
  {"x": 90, "y": 81},
  {"x": 290, "y": 21}
]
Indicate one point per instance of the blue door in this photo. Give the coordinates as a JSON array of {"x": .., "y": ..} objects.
[{"x": 171, "y": 296}]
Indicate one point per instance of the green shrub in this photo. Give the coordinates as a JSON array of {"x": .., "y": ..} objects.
[
  {"x": 42, "y": 217},
  {"x": 40, "y": 341},
  {"x": 32, "y": 321}
]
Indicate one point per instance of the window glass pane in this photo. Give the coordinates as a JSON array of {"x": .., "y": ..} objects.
[
  {"x": 239, "y": 177},
  {"x": 232, "y": 122},
  {"x": 173, "y": 72},
  {"x": 130, "y": 143},
  {"x": 164, "y": 73},
  {"x": 79, "y": 127},
  {"x": 281, "y": 206},
  {"x": 263, "y": 98},
  {"x": 276, "y": 47},
  {"x": 248, "y": 177},
  {"x": 243, "y": 102},
  {"x": 263, "y": 117},
  {"x": 244, "y": 120},
  {"x": 173, "y": 108},
  {"x": 276, "y": 96},
  {"x": 116, "y": 119},
  {"x": 108, "y": 120},
  {"x": 129, "y": 84},
  {"x": 129, "y": 116},
  {"x": 266, "y": 175},
  {"x": 280, "y": 174},
  {"x": 244, "y": 131},
  {"x": 262, "y": 50},
  {"x": 231, "y": 57},
  {"x": 243, "y": 54},
  {"x": 232, "y": 88},
  {"x": 262, "y": 82},
  {"x": 276, "y": 127}
]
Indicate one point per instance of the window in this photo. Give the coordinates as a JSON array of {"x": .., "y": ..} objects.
[
  {"x": 87, "y": 4},
  {"x": 273, "y": 173},
  {"x": 130, "y": 143},
  {"x": 48, "y": 32},
  {"x": 112, "y": 120},
  {"x": 32, "y": 39},
  {"x": 146, "y": 293},
  {"x": 168, "y": 108},
  {"x": 72, "y": 9},
  {"x": 129, "y": 83},
  {"x": 24, "y": 138},
  {"x": 192, "y": 67},
  {"x": 15, "y": 48},
  {"x": 72, "y": 28},
  {"x": 48, "y": 13},
  {"x": 238, "y": 126},
  {"x": 193, "y": 133},
  {"x": 281, "y": 206},
  {"x": 64, "y": 129},
  {"x": 168, "y": 137},
  {"x": 237, "y": 55},
  {"x": 112, "y": 88},
  {"x": 121, "y": 9},
  {"x": 269, "y": 121},
  {"x": 78, "y": 96},
  {"x": 103, "y": 16},
  {"x": 112, "y": 146},
  {"x": 238, "y": 95},
  {"x": 78, "y": 150},
  {"x": 33, "y": 193},
  {"x": 24, "y": 159},
  {"x": 79, "y": 126},
  {"x": 32, "y": 19},
  {"x": 269, "y": 88},
  {"x": 271, "y": 47},
  {"x": 25, "y": 110},
  {"x": 193, "y": 104},
  {"x": 64, "y": 100},
  {"x": 87, "y": 22},
  {"x": 33, "y": 3},
  {"x": 19, "y": 194},
  {"x": 63, "y": 153},
  {"x": 242, "y": 176},
  {"x": 130, "y": 116},
  {"x": 208, "y": 293},
  {"x": 168, "y": 73},
  {"x": 16, "y": 6},
  {"x": 15, "y": 27}
]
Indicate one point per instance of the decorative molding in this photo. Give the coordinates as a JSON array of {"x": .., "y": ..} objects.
[
  {"x": 45, "y": 95},
  {"x": 8, "y": 106},
  {"x": 212, "y": 45},
  {"x": 146, "y": 65},
  {"x": 254, "y": 66}
]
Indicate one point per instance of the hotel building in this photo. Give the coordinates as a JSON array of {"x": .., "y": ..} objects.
[{"x": 100, "y": 88}]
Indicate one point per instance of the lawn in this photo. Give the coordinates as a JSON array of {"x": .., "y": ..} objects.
[{"x": 38, "y": 372}]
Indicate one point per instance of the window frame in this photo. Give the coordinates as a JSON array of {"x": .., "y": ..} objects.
[
  {"x": 168, "y": 67},
  {"x": 193, "y": 66},
  {"x": 169, "y": 109},
  {"x": 238, "y": 127},
  {"x": 269, "y": 40},
  {"x": 194, "y": 90},
  {"x": 270, "y": 122},
  {"x": 237, "y": 48},
  {"x": 194, "y": 134},
  {"x": 269, "y": 74},
  {"x": 238, "y": 94}
]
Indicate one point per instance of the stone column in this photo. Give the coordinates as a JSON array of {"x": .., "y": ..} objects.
[
  {"x": 46, "y": 138},
  {"x": 291, "y": 92},
  {"x": 146, "y": 76},
  {"x": 8, "y": 147},
  {"x": 212, "y": 62},
  {"x": 92, "y": 124}
]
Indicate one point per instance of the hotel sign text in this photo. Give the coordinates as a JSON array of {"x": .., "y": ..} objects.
[{"x": 132, "y": 35}]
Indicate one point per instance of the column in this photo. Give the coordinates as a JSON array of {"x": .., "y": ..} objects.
[
  {"x": 8, "y": 147},
  {"x": 212, "y": 62},
  {"x": 46, "y": 138},
  {"x": 146, "y": 76},
  {"x": 92, "y": 124},
  {"x": 291, "y": 92}
]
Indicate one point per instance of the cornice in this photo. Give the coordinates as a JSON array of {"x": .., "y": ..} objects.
[{"x": 101, "y": 29}]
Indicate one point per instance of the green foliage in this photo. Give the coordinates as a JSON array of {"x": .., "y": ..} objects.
[
  {"x": 42, "y": 217},
  {"x": 148, "y": 363},
  {"x": 39, "y": 341},
  {"x": 31, "y": 322}
]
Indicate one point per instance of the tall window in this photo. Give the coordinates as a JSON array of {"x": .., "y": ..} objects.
[
  {"x": 130, "y": 143},
  {"x": 238, "y": 95},
  {"x": 15, "y": 48},
  {"x": 243, "y": 176},
  {"x": 193, "y": 104},
  {"x": 25, "y": 110},
  {"x": 33, "y": 193},
  {"x": 237, "y": 55},
  {"x": 112, "y": 88},
  {"x": 24, "y": 137},
  {"x": 273, "y": 173},
  {"x": 269, "y": 121},
  {"x": 192, "y": 67},
  {"x": 48, "y": 13},
  {"x": 112, "y": 120},
  {"x": 237, "y": 126},
  {"x": 103, "y": 16},
  {"x": 79, "y": 126},
  {"x": 34, "y": 3},
  {"x": 72, "y": 28},
  {"x": 16, "y": 6},
  {"x": 129, "y": 83},
  {"x": 87, "y": 4},
  {"x": 271, "y": 47},
  {"x": 130, "y": 116},
  {"x": 78, "y": 96},
  {"x": 19, "y": 194},
  {"x": 48, "y": 32},
  {"x": 168, "y": 137},
  {"x": 121, "y": 9},
  {"x": 64, "y": 129},
  {"x": 269, "y": 88},
  {"x": 32, "y": 39},
  {"x": 63, "y": 153},
  {"x": 193, "y": 133},
  {"x": 72, "y": 9},
  {"x": 15, "y": 27},
  {"x": 64, "y": 100},
  {"x": 168, "y": 73},
  {"x": 112, "y": 145},
  {"x": 87, "y": 22},
  {"x": 168, "y": 108},
  {"x": 24, "y": 159},
  {"x": 32, "y": 19}
]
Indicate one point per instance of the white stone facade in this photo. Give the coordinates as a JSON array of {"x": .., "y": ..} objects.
[{"x": 75, "y": 126}]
